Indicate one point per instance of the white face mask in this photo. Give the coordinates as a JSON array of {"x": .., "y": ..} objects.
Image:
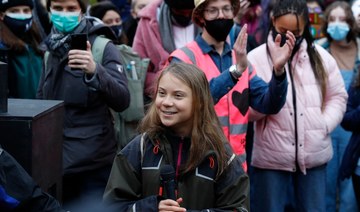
[{"x": 356, "y": 9}]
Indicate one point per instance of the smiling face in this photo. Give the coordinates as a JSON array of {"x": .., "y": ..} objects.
[{"x": 174, "y": 101}]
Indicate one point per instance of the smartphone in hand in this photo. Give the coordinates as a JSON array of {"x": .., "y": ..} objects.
[{"x": 78, "y": 41}]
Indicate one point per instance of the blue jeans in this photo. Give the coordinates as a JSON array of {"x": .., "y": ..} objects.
[
  {"x": 343, "y": 189},
  {"x": 271, "y": 190}
]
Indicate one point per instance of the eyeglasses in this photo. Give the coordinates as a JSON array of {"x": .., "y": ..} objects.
[{"x": 213, "y": 12}]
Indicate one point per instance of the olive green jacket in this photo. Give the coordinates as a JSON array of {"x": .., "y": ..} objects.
[{"x": 134, "y": 181}]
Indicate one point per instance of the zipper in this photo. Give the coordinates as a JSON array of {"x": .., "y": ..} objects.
[{"x": 178, "y": 162}]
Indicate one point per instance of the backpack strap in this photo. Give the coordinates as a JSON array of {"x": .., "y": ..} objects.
[
  {"x": 98, "y": 48},
  {"x": 142, "y": 147}
]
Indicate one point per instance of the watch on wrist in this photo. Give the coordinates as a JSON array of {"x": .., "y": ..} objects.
[{"x": 235, "y": 71}]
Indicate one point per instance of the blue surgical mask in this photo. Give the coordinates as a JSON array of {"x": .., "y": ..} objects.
[
  {"x": 18, "y": 23},
  {"x": 338, "y": 30},
  {"x": 65, "y": 21}
]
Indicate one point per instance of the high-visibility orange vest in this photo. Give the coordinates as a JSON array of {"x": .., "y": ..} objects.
[{"x": 234, "y": 119}]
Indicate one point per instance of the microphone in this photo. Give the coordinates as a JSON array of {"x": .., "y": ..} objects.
[{"x": 167, "y": 177}]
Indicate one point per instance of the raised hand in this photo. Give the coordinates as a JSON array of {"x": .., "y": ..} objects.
[
  {"x": 80, "y": 59},
  {"x": 280, "y": 55},
  {"x": 240, "y": 49}
]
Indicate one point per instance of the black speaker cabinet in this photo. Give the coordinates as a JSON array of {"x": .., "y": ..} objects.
[{"x": 31, "y": 131}]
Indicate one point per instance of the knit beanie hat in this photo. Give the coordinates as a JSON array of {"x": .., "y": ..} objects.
[
  {"x": 98, "y": 10},
  {"x": 6, "y": 4}
]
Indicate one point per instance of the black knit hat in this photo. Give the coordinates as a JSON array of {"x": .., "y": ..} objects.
[
  {"x": 6, "y": 4},
  {"x": 98, "y": 10}
]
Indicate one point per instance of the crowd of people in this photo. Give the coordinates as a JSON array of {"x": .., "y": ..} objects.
[{"x": 249, "y": 105}]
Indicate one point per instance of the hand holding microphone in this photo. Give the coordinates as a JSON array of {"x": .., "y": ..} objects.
[{"x": 167, "y": 177}]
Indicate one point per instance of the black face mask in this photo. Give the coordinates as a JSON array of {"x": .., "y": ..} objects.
[
  {"x": 298, "y": 40},
  {"x": 18, "y": 27},
  {"x": 219, "y": 28},
  {"x": 117, "y": 29},
  {"x": 283, "y": 37},
  {"x": 181, "y": 20}
]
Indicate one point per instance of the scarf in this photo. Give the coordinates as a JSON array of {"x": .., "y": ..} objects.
[
  {"x": 165, "y": 28},
  {"x": 59, "y": 43}
]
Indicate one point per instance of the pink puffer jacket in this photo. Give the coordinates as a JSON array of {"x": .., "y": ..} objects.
[{"x": 275, "y": 146}]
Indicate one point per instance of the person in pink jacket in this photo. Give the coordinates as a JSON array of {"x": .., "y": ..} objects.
[
  {"x": 164, "y": 26},
  {"x": 291, "y": 148}
]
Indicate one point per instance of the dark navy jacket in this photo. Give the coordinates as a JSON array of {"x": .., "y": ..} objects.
[
  {"x": 351, "y": 122},
  {"x": 134, "y": 182},
  {"x": 89, "y": 139},
  {"x": 19, "y": 192}
]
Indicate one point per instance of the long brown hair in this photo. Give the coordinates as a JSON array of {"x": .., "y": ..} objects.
[
  {"x": 14, "y": 43},
  {"x": 207, "y": 133}
]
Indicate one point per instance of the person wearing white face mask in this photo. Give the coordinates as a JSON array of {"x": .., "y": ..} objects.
[
  {"x": 19, "y": 42},
  {"x": 88, "y": 88},
  {"x": 342, "y": 43}
]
